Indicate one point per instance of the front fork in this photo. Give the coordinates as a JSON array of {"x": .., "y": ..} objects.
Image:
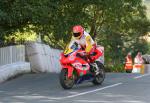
[{"x": 70, "y": 70}]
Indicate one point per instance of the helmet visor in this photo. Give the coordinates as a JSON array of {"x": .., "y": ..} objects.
[{"x": 76, "y": 34}]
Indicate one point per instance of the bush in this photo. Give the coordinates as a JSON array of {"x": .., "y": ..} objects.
[{"x": 115, "y": 68}]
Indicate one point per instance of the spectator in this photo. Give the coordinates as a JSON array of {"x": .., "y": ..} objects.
[
  {"x": 128, "y": 63},
  {"x": 138, "y": 63},
  {"x": 138, "y": 59}
]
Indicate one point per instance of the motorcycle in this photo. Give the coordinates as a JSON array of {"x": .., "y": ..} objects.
[{"x": 77, "y": 67}]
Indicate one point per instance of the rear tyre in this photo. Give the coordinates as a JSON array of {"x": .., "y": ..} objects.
[
  {"x": 99, "y": 78},
  {"x": 66, "y": 83}
]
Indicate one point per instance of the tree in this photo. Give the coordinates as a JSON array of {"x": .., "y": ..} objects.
[{"x": 117, "y": 25}]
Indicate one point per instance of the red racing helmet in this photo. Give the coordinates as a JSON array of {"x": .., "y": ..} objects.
[{"x": 78, "y": 31}]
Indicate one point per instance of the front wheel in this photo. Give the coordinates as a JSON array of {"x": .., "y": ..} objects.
[
  {"x": 66, "y": 83},
  {"x": 99, "y": 78}
]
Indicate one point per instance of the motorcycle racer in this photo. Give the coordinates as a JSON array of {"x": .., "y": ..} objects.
[
  {"x": 85, "y": 41},
  {"x": 80, "y": 60}
]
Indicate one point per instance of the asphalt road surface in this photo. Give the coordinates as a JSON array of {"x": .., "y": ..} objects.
[{"x": 45, "y": 88}]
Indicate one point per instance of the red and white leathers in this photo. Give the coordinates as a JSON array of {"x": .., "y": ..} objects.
[{"x": 87, "y": 43}]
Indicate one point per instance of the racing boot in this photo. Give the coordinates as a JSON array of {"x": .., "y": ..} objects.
[{"x": 94, "y": 68}]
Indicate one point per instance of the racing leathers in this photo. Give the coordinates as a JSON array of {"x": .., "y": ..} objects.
[{"x": 87, "y": 43}]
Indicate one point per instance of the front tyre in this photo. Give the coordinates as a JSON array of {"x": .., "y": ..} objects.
[
  {"x": 99, "y": 78},
  {"x": 66, "y": 83}
]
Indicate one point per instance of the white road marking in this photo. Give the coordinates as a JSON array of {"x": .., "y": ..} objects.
[
  {"x": 83, "y": 93},
  {"x": 93, "y": 101},
  {"x": 28, "y": 97},
  {"x": 141, "y": 76},
  {"x": 102, "y": 101},
  {"x": 73, "y": 92}
]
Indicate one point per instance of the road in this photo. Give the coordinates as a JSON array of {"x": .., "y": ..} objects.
[{"x": 45, "y": 88}]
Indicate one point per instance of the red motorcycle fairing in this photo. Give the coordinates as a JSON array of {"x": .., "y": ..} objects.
[
  {"x": 81, "y": 66},
  {"x": 70, "y": 70},
  {"x": 72, "y": 62},
  {"x": 65, "y": 63}
]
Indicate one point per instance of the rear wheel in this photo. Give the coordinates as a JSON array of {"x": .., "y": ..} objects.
[
  {"x": 99, "y": 78},
  {"x": 66, "y": 83}
]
